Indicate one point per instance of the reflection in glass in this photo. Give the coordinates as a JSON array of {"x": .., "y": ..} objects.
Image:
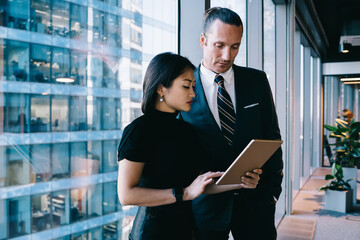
[
  {"x": 17, "y": 117},
  {"x": 112, "y": 31},
  {"x": 40, "y": 63},
  {"x": 3, "y": 217},
  {"x": 118, "y": 114},
  {"x": 78, "y": 21},
  {"x": 111, "y": 66},
  {"x": 94, "y": 157},
  {"x": 18, "y": 61},
  {"x": 60, "y": 208},
  {"x": 40, "y": 207},
  {"x": 110, "y": 201},
  {"x": 60, "y": 18},
  {"x": 40, "y": 16},
  {"x": 19, "y": 216},
  {"x": 40, "y": 113},
  {"x": 78, "y": 67},
  {"x": 269, "y": 40},
  {"x": 60, "y": 113},
  {"x": 78, "y": 165},
  {"x": 78, "y": 113},
  {"x": 95, "y": 233},
  {"x": 18, "y": 165},
  {"x": 109, "y": 114},
  {"x": 40, "y": 161},
  {"x": 95, "y": 70},
  {"x": 3, "y": 174},
  {"x": 60, "y": 67},
  {"x": 110, "y": 231},
  {"x": 109, "y": 155},
  {"x": 95, "y": 200},
  {"x": 60, "y": 156},
  {"x": 78, "y": 205},
  {"x": 98, "y": 27},
  {"x": 93, "y": 113},
  {"x": 18, "y": 14},
  {"x": 79, "y": 236}
]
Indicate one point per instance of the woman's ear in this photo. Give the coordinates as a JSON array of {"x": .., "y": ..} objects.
[{"x": 161, "y": 90}]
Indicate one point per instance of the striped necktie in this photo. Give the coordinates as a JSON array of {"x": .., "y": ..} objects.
[{"x": 226, "y": 110}]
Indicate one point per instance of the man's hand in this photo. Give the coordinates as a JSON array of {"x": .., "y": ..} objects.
[{"x": 251, "y": 179}]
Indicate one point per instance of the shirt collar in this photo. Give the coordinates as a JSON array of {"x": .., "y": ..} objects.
[{"x": 210, "y": 75}]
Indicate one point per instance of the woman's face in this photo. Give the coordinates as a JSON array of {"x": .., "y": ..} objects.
[{"x": 179, "y": 96}]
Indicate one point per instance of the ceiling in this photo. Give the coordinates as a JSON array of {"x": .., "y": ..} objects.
[{"x": 340, "y": 20}]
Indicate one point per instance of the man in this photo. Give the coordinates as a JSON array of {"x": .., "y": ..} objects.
[{"x": 250, "y": 114}]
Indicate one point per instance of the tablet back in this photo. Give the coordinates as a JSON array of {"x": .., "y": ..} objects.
[{"x": 256, "y": 153}]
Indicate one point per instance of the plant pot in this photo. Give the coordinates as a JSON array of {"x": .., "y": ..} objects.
[
  {"x": 339, "y": 201},
  {"x": 351, "y": 173}
]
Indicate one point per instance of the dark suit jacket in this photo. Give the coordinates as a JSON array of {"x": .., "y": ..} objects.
[{"x": 255, "y": 119}]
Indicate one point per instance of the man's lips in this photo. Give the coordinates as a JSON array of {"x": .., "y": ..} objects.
[{"x": 189, "y": 102}]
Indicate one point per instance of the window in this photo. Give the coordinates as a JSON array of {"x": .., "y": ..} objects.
[
  {"x": 60, "y": 113},
  {"x": 40, "y": 162},
  {"x": 19, "y": 216},
  {"x": 17, "y": 116},
  {"x": 60, "y": 208},
  {"x": 112, "y": 31},
  {"x": 40, "y": 208},
  {"x": 98, "y": 27},
  {"x": 40, "y": 113},
  {"x": 40, "y": 63},
  {"x": 110, "y": 200},
  {"x": 40, "y": 16},
  {"x": 94, "y": 157},
  {"x": 18, "y": 166},
  {"x": 78, "y": 159},
  {"x": 60, "y": 156},
  {"x": 94, "y": 200},
  {"x": 78, "y": 205},
  {"x": 109, "y": 114},
  {"x": 18, "y": 14},
  {"x": 78, "y": 113},
  {"x": 17, "y": 61},
  {"x": 111, "y": 66},
  {"x": 93, "y": 113},
  {"x": 60, "y": 67},
  {"x": 109, "y": 155},
  {"x": 269, "y": 41},
  {"x": 60, "y": 18},
  {"x": 78, "y": 67},
  {"x": 78, "y": 21},
  {"x": 95, "y": 70}
]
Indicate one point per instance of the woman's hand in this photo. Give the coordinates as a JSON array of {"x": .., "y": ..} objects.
[{"x": 197, "y": 187}]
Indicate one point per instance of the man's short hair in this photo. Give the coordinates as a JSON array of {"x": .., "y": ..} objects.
[{"x": 223, "y": 14}]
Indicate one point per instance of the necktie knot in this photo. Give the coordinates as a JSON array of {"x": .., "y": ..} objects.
[{"x": 219, "y": 80}]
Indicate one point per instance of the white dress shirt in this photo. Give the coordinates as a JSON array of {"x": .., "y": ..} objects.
[{"x": 211, "y": 88}]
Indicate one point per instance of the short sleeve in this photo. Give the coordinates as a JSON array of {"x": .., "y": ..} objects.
[{"x": 132, "y": 144}]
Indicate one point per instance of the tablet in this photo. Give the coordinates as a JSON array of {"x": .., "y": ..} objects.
[{"x": 256, "y": 153}]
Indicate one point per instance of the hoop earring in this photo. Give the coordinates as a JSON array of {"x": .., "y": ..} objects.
[{"x": 161, "y": 98}]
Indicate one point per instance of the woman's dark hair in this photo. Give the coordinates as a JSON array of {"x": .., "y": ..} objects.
[
  {"x": 163, "y": 69},
  {"x": 223, "y": 14}
]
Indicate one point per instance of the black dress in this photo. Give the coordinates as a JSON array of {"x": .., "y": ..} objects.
[{"x": 167, "y": 147}]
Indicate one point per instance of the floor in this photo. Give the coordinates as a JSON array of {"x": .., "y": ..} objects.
[{"x": 310, "y": 220}]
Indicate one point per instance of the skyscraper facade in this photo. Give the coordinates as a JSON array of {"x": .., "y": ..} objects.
[{"x": 70, "y": 80}]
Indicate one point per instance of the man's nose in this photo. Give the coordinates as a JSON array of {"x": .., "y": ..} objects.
[{"x": 226, "y": 54}]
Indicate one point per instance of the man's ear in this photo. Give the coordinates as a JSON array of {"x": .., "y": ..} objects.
[{"x": 202, "y": 40}]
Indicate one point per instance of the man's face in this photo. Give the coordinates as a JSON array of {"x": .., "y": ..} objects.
[{"x": 220, "y": 46}]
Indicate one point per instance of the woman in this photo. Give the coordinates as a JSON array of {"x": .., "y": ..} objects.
[{"x": 158, "y": 160}]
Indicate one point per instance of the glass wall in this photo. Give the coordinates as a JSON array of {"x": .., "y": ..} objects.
[{"x": 70, "y": 81}]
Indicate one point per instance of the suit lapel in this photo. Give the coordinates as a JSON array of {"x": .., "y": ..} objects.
[
  {"x": 203, "y": 104},
  {"x": 239, "y": 95}
]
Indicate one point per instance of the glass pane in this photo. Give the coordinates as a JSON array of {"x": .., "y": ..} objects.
[
  {"x": 110, "y": 201},
  {"x": 40, "y": 63},
  {"x": 18, "y": 165},
  {"x": 60, "y": 18},
  {"x": 16, "y": 117},
  {"x": 79, "y": 236},
  {"x": 18, "y": 61},
  {"x": 94, "y": 154},
  {"x": 60, "y": 156},
  {"x": 19, "y": 216},
  {"x": 40, "y": 161},
  {"x": 40, "y": 206},
  {"x": 95, "y": 233},
  {"x": 240, "y": 8},
  {"x": 78, "y": 21},
  {"x": 95, "y": 200},
  {"x": 93, "y": 113},
  {"x": 110, "y": 231},
  {"x": 40, "y": 113},
  {"x": 60, "y": 205},
  {"x": 118, "y": 114},
  {"x": 78, "y": 67},
  {"x": 269, "y": 41},
  {"x": 78, "y": 164},
  {"x": 78, "y": 205},
  {"x": 78, "y": 113},
  {"x": 60, "y": 67},
  {"x": 112, "y": 30},
  {"x": 40, "y": 16},
  {"x": 98, "y": 27},
  {"x": 3, "y": 173},
  {"x": 109, "y": 114},
  {"x": 95, "y": 70},
  {"x": 111, "y": 66},
  {"x": 3, "y": 218},
  {"x": 109, "y": 155},
  {"x": 60, "y": 113},
  {"x": 18, "y": 14}
]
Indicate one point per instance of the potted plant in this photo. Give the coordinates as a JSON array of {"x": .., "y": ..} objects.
[
  {"x": 338, "y": 192},
  {"x": 347, "y": 149}
]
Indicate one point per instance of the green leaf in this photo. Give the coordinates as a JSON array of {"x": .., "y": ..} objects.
[
  {"x": 329, "y": 177},
  {"x": 330, "y": 128}
]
